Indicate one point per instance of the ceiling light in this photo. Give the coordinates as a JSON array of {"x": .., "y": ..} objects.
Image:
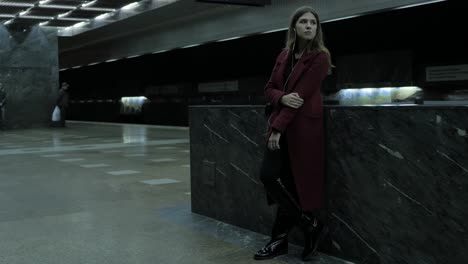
[
  {"x": 6, "y": 16},
  {"x": 64, "y": 14},
  {"x": 98, "y": 9},
  {"x": 274, "y": 30},
  {"x": 130, "y": 6},
  {"x": 419, "y": 4},
  {"x": 160, "y": 51},
  {"x": 80, "y": 24},
  {"x": 90, "y": 3},
  {"x": 43, "y": 2},
  {"x": 37, "y": 17},
  {"x": 190, "y": 46},
  {"x": 58, "y": 7},
  {"x": 103, "y": 16},
  {"x": 340, "y": 18},
  {"x": 14, "y": 4},
  {"x": 73, "y": 19},
  {"x": 9, "y": 22},
  {"x": 226, "y": 39},
  {"x": 133, "y": 56}
]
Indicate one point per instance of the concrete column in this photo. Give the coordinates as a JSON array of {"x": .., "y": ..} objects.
[{"x": 29, "y": 74}]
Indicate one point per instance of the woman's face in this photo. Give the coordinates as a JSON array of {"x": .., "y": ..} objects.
[{"x": 306, "y": 26}]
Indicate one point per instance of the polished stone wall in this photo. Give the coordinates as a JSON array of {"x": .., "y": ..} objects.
[
  {"x": 397, "y": 178},
  {"x": 29, "y": 73}
]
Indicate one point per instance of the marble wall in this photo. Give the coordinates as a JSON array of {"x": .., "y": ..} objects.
[
  {"x": 29, "y": 73},
  {"x": 397, "y": 179}
]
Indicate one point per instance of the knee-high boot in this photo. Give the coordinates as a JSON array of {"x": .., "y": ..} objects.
[
  {"x": 312, "y": 229},
  {"x": 278, "y": 244}
]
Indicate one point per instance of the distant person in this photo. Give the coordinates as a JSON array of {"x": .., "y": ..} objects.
[
  {"x": 2, "y": 106},
  {"x": 292, "y": 171},
  {"x": 62, "y": 102}
]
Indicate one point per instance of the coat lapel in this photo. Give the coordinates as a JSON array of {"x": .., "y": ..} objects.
[
  {"x": 282, "y": 67},
  {"x": 301, "y": 66}
]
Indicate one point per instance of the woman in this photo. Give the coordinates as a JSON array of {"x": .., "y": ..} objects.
[{"x": 293, "y": 167}]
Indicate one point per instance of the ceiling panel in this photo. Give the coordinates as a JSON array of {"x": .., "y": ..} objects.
[
  {"x": 113, "y": 3},
  {"x": 10, "y": 9},
  {"x": 61, "y": 23},
  {"x": 58, "y": 13}
]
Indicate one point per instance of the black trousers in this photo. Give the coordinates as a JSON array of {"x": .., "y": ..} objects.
[
  {"x": 63, "y": 115},
  {"x": 278, "y": 180}
]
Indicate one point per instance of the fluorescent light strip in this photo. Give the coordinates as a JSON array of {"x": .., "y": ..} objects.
[
  {"x": 90, "y": 3},
  {"x": 72, "y": 19},
  {"x": 65, "y": 14},
  {"x": 133, "y": 56},
  {"x": 103, "y": 16},
  {"x": 419, "y": 4},
  {"x": 6, "y": 16},
  {"x": 160, "y": 51},
  {"x": 97, "y": 9},
  {"x": 189, "y": 46},
  {"x": 226, "y": 39},
  {"x": 13, "y": 4},
  {"x": 36, "y": 17},
  {"x": 58, "y": 7},
  {"x": 25, "y": 12},
  {"x": 274, "y": 30},
  {"x": 80, "y": 24},
  {"x": 340, "y": 18},
  {"x": 130, "y": 6}
]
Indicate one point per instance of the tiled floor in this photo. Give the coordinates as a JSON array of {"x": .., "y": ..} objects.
[{"x": 117, "y": 194}]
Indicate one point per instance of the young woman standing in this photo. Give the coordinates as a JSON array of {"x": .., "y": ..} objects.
[{"x": 293, "y": 167}]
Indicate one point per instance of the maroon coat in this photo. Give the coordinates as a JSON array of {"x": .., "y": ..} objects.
[{"x": 303, "y": 126}]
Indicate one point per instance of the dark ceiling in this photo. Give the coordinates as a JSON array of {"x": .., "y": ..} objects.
[{"x": 55, "y": 13}]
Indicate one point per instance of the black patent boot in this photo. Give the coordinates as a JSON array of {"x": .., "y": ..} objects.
[
  {"x": 275, "y": 247},
  {"x": 313, "y": 235}
]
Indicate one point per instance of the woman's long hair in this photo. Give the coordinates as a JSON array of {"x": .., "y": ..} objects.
[{"x": 316, "y": 44}]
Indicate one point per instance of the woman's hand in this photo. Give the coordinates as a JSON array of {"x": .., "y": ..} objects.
[
  {"x": 273, "y": 141},
  {"x": 292, "y": 100}
]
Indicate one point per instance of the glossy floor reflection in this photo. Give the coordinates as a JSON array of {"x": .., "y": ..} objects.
[{"x": 94, "y": 193}]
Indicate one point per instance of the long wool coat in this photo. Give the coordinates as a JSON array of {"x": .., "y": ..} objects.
[{"x": 303, "y": 126}]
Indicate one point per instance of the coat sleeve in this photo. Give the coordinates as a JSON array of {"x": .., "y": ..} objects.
[
  {"x": 308, "y": 86},
  {"x": 272, "y": 90}
]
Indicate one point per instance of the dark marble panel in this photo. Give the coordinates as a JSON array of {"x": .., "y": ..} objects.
[
  {"x": 228, "y": 143},
  {"x": 29, "y": 73},
  {"x": 397, "y": 184},
  {"x": 396, "y": 178}
]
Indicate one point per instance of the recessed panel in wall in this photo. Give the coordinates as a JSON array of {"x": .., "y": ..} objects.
[{"x": 447, "y": 73}]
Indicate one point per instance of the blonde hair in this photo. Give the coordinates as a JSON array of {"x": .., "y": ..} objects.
[{"x": 317, "y": 43}]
